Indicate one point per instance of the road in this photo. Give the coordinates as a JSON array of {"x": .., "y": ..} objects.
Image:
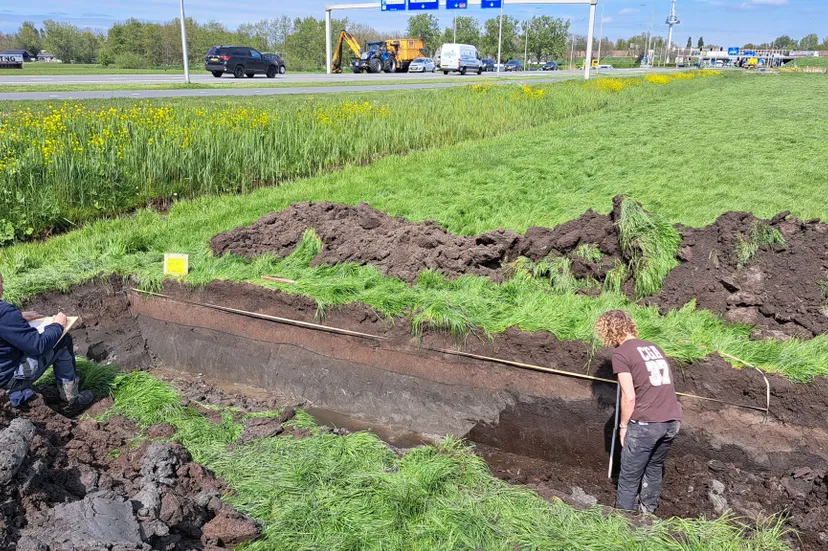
[{"x": 318, "y": 84}]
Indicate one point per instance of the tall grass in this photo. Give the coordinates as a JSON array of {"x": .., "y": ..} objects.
[
  {"x": 63, "y": 164},
  {"x": 650, "y": 243},
  {"x": 352, "y": 492}
]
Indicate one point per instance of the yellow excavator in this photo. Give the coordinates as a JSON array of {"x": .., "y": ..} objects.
[{"x": 344, "y": 38}]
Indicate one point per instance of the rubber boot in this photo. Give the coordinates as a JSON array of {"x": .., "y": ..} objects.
[{"x": 69, "y": 393}]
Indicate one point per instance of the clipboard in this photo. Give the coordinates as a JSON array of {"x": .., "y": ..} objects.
[{"x": 41, "y": 323}]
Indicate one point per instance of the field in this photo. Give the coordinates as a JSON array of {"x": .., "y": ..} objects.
[
  {"x": 94, "y": 161},
  {"x": 541, "y": 157}
]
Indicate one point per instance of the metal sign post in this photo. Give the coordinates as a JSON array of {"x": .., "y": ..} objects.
[
  {"x": 378, "y": 6},
  {"x": 184, "y": 43}
]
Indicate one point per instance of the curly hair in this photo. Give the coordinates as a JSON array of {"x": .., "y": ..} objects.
[{"x": 613, "y": 326}]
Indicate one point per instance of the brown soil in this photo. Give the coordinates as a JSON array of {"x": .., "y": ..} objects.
[
  {"x": 403, "y": 249},
  {"x": 82, "y": 482},
  {"x": 763, "y": 293},
  {"x": 779, "y": 290}
]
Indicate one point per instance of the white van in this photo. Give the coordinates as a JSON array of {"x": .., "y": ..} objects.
[{"x": 458, "y": 58}]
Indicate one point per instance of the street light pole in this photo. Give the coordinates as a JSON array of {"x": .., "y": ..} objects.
[
  {"x": 500, "y": 37},
  {"x": 601, "y": 31},
  {"x": 572, "y": 54},
  {"x": 184, "y": 43},
  {"x": 526, "y": 51}
]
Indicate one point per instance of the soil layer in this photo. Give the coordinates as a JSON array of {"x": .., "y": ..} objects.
[
  {"x": 783, "y": 290},
  {"x": 762, "y": 292}
]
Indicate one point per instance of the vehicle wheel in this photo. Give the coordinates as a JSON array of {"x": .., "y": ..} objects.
[
  {"x": 445, "y": 72},
  {"x": 249, "y": 75},
  {"x": 217, "y": 74},
  {"x": 433, "y": 71},
  {"x": 271, "y": 71},
  {"x": 282, "y": 69},
  {"x": 463, "y": 71},
  {"x": 375, "y": 66},
  {"x": 356, "y": 70},
  {"x": 390, "y": 65},
  {"x": 238, "y": 72},
  {"x": 480, "y": 71}
]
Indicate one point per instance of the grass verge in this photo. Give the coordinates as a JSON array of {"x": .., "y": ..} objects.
[
  {"x": 353, "y": 493},
  {"x": 228, "y": 83},
  {"x": 96, "y": 159}
]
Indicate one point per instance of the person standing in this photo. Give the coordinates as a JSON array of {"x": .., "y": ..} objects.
[
  {"x": 25, "y": 354},
  {"x": 650, "y": 411}
]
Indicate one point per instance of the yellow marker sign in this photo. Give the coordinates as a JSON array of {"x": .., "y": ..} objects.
[{"x": 176, "y": 264}]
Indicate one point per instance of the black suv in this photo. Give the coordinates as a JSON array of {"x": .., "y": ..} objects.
[
  {"x": 488, "y": 65},
  {"x": 239, "y": 61},
  {"x": 276, "y": 58},
  {"x": 513, "y": 65},
  {"x": 550, "y": 66}
]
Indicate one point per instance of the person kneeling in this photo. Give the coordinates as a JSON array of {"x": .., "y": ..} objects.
[
  {"x": 26, "y": 354},
  {"x": 650, "y": 411}
]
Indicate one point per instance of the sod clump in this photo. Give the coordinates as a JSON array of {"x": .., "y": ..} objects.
[
  {"x": 332, "y": 492},
  {"x": 761, "y": 236},
  {"x": 650, "y": 244}
]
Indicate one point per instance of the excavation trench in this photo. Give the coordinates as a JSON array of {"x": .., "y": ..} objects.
[{"x": 550, "y": 432}]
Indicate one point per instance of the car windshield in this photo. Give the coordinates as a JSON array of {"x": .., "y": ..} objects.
[{"x": 419, "y": 60}]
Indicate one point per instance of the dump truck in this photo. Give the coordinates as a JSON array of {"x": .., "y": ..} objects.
[{"x": 389, "y": 56}]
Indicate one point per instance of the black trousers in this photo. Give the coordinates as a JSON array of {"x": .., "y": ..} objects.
[{"x": 642, "y": 464}]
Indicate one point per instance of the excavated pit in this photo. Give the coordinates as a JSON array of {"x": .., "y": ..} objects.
[{"x": 549, "y": 432}]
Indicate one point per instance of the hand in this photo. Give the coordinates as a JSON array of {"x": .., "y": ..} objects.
[
  {"x": 31, "y": 316},
  {"x": 61, "y": 319},
  {"x": 622, "y": 435}
]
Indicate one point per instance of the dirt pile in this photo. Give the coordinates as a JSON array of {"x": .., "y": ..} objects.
[
  {"x": 73, "y": 485},
  {"x": 782, "y": 288},
  {"x": 403, "y": 249}
]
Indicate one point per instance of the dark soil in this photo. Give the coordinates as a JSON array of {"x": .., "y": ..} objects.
[
  {"x": 763, "y": 293},
  {"x": 403, "y": 249},
  {"x": 778, "y": 291},
  {"x": 84, "y": 485}
]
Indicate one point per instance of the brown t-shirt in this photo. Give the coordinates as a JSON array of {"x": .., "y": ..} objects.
[{"x": 655, "y": 394}]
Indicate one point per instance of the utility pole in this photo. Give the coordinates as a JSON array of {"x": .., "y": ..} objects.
[
  {"x": 526, "y": 51},
  {"x": 500, "y": 37},
  {"x": 671, "y": 20},
  {"x": 184, "y": 43},
  {"x": 601, "y": 31},
  {"x": 572, "y": 54},
  {"x": 650, "y": 62}
]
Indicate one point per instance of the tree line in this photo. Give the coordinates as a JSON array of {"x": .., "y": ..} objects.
[{"x": 139, "y": 44}]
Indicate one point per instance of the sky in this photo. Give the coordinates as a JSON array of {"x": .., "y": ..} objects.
[{"x": 721, "y": 22}]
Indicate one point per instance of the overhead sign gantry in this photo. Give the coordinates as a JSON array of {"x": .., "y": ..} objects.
[{"x": 420, "y": 5}]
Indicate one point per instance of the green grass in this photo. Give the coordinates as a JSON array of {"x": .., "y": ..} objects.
[
  {"x": 231, "y": 83},
  {"x": 589, "y": 252},
  {"x": 38, "y": 68},
  {"x": 650, "y": 243},
  {"x": 96, "y": 159},
  {"x": 813, "y": 62},
  {"x": 760, "y": 236},
  {"x": 353, "y": 493},
  {"x": 542, "y": 177}
]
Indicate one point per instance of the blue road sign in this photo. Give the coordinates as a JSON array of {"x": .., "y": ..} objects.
[
  {"x": 733, "y": 51},
  {"x": 393, "y": 5},
  {"x": 456, "y": 4},
  {"x": 750, "y": 53},
  {"x": 416, "y": 5},
  {"x": 491, "y": 4}
]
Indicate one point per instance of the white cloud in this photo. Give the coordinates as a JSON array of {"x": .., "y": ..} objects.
[
  {"x": 770, "y": 2},
  {"x": 607, "y": 20},
  {"x": 629, "y": 11}
]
